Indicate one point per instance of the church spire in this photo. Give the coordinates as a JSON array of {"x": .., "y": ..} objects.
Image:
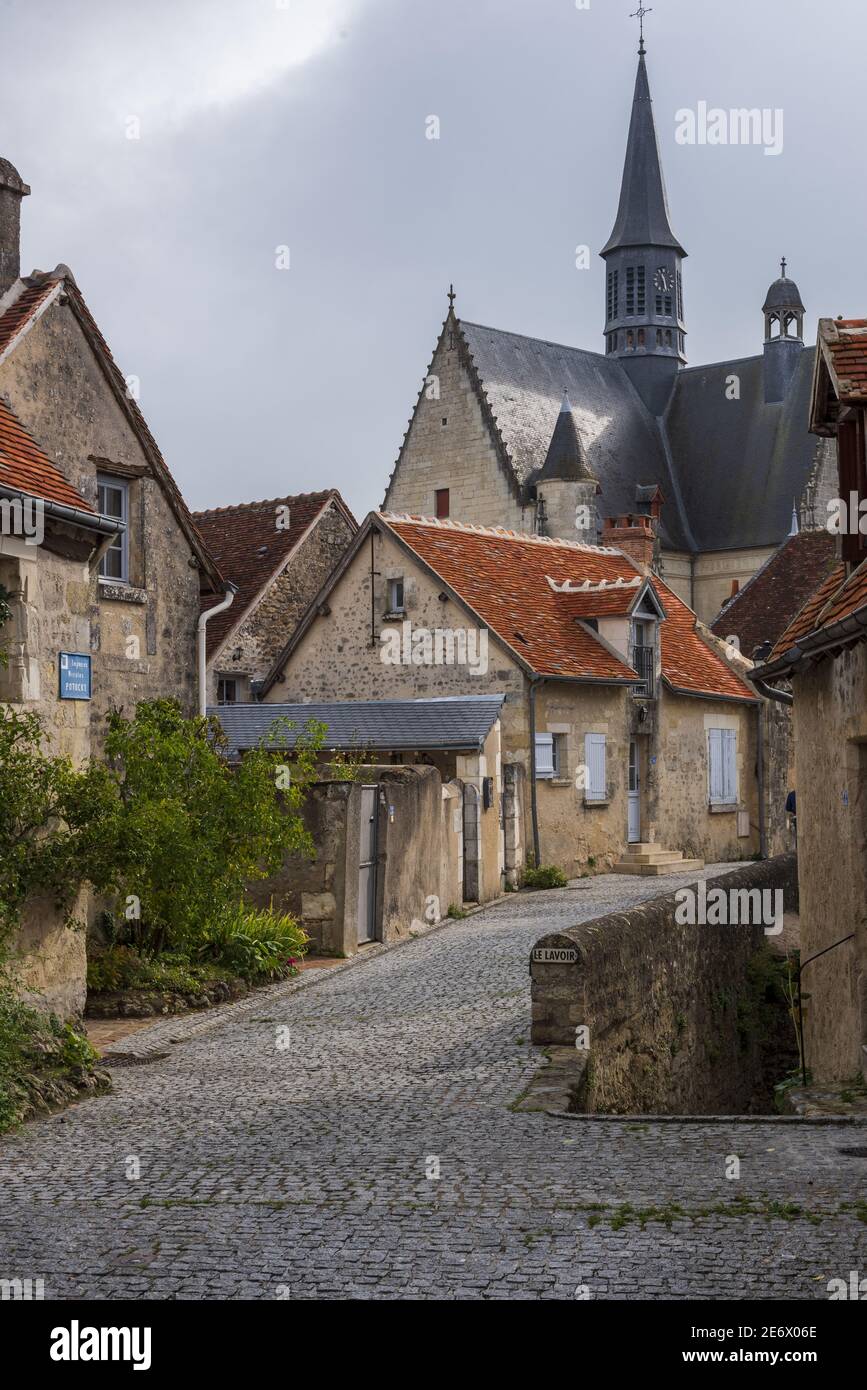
[
  {"x": 644, "y": 321},
  {"x": 643, "y": 218}
]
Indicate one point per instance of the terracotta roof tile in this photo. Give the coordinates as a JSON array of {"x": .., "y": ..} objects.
[
  {"x": 770, "y": 601},
  {"x": 248, "y": 547},
  {"x": 846, "y": 344},
  {"x": 22, "y": 310},
  {"x": 504, "y": 577},
  {"x": 26, "y": 468},
  {"x": 807, "y": 620}
]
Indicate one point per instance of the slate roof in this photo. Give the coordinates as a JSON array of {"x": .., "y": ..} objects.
[
  {"x": 26, "y": 468},
  {"x": 505, "y": 578},
  {"x": 643, "y": 218},
  {"x": 459, "y": 723},
  {"x": 770, "y": 601},
  {"x": 729, "y": 470},
  {"x": 565, "y": 458},
  {"x": 783, "y": 294},
  {"x": 249, "y": 549},
  {"x": 524, "y": 379}
]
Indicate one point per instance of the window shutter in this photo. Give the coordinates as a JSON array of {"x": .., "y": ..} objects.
[
  {"x": 714, "y": 763},
  {"x": 544, "y": 755},
  {"x": 730, "y": 766},
  {"x": 594, "y": 757}
]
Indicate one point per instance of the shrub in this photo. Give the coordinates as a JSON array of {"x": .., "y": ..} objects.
[
  {"x": 189, "y": 830},
  {"x": 547, "y": 876},
  {"x": 255, "y": 943},
  {"x": 37, "y": 1051}
]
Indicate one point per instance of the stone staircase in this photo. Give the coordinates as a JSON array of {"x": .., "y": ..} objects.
[{"x": 651, "y": 860}]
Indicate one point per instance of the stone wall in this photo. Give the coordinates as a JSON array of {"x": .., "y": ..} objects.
[
  {"x": 670, "y": 1008},
  {"x": 420, "y": 862},
  {"x": 249, "y": 650},
  {"x": 831, "y": 769}
]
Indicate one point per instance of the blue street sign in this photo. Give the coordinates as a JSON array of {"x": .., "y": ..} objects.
[{"x": 74, "y": 676}]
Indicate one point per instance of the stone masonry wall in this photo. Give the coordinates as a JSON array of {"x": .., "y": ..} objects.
[
  {"x": 831, "y": 768},
  {"x": 251, "y": 649},
  {"x": 668, "y": 1006}
]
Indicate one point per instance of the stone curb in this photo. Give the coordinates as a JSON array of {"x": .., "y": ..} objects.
[{"x": 845, "y": 1120}]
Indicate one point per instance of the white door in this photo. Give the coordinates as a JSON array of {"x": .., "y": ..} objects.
[{"x": 634, "y": 827}]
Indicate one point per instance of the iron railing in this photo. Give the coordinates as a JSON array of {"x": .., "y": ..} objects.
[{"x": 643, "y": 660}]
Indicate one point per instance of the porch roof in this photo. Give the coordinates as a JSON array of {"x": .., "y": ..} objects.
[{"x": 454, "y": 724}]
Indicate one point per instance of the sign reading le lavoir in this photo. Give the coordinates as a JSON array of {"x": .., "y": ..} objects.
[
  {"x": 555, "y": 955},
  {"x": 74, "y": 676}
]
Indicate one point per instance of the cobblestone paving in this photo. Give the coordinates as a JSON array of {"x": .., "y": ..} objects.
[{"x": 270, "y": 1173}]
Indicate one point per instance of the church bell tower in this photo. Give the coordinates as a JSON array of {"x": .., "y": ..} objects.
[{"x": 644, "y": 319}]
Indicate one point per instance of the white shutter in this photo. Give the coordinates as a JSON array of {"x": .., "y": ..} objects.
[
  {"x": 544, "y": 755},
  {"x": 715, "y": 765},
  {"x": 730, "y": 766},
  {"x": 594, "y": 757}
]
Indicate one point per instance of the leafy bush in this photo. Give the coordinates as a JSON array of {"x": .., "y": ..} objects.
[
  {"x": 51, "y": 815},
  {"x": 122, "y": 968},
  {"x": 189, "y": 830},
  {"x": 255, "y": 943},
  {"x": 34, "y": 1047},
  {"x": 547, "y": 876}
]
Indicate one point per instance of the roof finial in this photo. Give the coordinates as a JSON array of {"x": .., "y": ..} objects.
[
  {"x": 783, "y": 264},
  {"x": 452, "y": 296},
  {"x": 639, "y": 15}
]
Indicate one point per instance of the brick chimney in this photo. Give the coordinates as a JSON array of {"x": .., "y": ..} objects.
[
  {"x": 12, "y": 190},
  {"x": 634, "y": 535}
]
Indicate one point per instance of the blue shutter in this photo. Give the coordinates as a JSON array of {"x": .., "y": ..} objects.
[
  {"x": 715, "y": 765},
  {"x": 544, "y": 755},
  {"x": 594, "y": 757},
  {"x": 730, "y": 766}
]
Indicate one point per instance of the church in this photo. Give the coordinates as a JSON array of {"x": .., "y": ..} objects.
[{"x": 710, "y": 468}]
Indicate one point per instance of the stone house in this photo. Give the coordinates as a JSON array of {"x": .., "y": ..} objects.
[
  {"x": 624, "y": 722},
  {"x": 106, "y": 607},
  {"x": 279, "y": 553},
  {"x": 718, "y": 453},
  {"x": 823, "y": 656}
]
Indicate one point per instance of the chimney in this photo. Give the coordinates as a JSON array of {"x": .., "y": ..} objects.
[
  {"x": 634, "y": 535},
  {"x": 12, "y": 190}
]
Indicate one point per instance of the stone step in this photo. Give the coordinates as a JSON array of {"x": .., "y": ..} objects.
[
  {"x": 655, "y": 856},
  {"x": 679, "y": 866}
]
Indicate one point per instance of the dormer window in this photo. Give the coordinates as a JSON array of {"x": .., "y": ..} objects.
[
  {"x": 113, "y": 501},
  {"x": 642, "y": 653}
]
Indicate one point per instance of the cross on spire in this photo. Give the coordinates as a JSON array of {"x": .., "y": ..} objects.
[
  {"x": 639, "y": 15},
  {"x": 452, "y": 296},
  {"x": 783, "y": 264}
]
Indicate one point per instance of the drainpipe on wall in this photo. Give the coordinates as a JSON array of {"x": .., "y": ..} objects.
[
  {"x": 760, "y": 768},
  {"x": 202, "y": 640},
  {"x": 537, "y": 855}
]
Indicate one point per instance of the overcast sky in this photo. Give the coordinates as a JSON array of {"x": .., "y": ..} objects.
[{"x": 302, "y": 124}]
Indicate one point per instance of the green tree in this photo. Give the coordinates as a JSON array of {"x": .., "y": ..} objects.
[
  {"x": 51, "y": 813},
  {"x": 190, "y": 830}
]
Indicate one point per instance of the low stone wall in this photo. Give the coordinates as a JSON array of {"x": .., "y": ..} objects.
[
  {"x": 678, "y": 1016},
  {"x": 420, "y": 859}
]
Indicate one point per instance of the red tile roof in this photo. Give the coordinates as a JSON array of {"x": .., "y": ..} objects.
[
  {"x": 834, "y": 599},
  {"x": 504, "y": 577},
  {"x": 769, "y": 602},
  {"x": 19, "y": 314},
  {"x": 26, "y": 468},
  {"x": 844, "y": 342},
  {"x": 249, "y": 548}
]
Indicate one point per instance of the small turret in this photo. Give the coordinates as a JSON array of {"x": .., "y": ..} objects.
[
  {"x": 784, "y": 335},
  {"x": 565, "y": 488}
]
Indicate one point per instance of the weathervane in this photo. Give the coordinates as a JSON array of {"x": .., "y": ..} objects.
[{"x": 639, "y": 15}]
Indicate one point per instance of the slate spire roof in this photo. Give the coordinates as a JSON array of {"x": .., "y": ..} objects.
[
  {"x": 565, "y": 459},
  {"x": 643, "y": 218}
]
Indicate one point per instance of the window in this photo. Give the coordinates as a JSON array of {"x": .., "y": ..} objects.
[
  {"x": 642, "y": 657},
  {"x": 550, "y": 755},
  {"x": 722, "y": 768},
  {"x": 395, "y": 596},
  {"x": 227, "y": 691},
  {"x": 612, "y": 294},
  {"x": 441, "y": 497},
  {"x": 641, "y": 337},
  {"x": 640, "y": 297},
  {"x": 113, "y": 501},
  {"x": 630, "y": 340},
  {"x": 594, "y": 758},
  {"x": 679, "y": 295},
  {"x": 630, "y": 291}
]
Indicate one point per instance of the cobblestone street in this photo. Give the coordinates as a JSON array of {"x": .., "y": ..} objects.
[{"x": 301, "y": 1171}]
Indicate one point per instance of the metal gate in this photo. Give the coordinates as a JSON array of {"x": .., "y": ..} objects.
[{"x": 367, "y": 864}]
